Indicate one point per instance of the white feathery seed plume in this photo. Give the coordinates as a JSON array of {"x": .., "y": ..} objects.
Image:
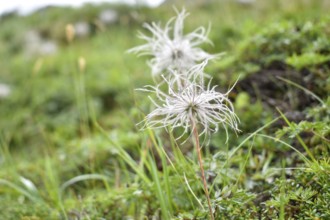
[
  {"x": 207, "y": 107},
  {"x": 170, "y": 48},
  {"x": 180, "y": 79}
]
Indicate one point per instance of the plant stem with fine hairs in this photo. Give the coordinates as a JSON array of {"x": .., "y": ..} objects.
[{"x": 196, "y": 136}]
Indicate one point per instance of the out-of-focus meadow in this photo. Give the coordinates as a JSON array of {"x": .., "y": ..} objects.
[{"x": 70, "y": 147}]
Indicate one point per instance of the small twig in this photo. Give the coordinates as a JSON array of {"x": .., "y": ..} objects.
[{"x": 196, "y": 136}]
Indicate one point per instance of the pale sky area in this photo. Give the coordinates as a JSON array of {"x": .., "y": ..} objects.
[{"x": 27, "y": 6}]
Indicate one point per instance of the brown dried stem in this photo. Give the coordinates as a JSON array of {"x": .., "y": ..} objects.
[{"x": 198, "y": 148}]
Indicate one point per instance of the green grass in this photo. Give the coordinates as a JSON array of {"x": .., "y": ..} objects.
[{"x": 70, "y": 147}]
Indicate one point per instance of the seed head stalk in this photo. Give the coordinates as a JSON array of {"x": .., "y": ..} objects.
[
  {"x": 189, "y": 101},
  {"x": 201, "y": 166}
]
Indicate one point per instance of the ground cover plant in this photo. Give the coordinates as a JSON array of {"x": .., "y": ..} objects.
[{"x": 70, "y": 147}]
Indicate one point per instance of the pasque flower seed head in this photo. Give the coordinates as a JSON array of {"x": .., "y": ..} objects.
[
  {"x": 207, "y": 107},
  {"x": 170, "y": 48}
]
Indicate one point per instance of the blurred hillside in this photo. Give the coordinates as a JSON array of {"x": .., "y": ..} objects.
[{"x": 68, "y": 100}]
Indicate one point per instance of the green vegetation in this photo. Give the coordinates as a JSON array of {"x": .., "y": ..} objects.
[{"x": 70, "y": 147}]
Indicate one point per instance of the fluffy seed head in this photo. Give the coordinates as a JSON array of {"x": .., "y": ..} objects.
[
  {"x": 207, "y": 107},
  {"x": 170, "y": 48}
]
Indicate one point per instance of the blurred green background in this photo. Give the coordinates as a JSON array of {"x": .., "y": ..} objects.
[{"x": 68, "y": 109}]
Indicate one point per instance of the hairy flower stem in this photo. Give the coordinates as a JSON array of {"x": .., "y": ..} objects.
[{"x": 196, "y": 136}]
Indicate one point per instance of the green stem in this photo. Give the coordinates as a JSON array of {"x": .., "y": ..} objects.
[{"x": 310, "y": 154}]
